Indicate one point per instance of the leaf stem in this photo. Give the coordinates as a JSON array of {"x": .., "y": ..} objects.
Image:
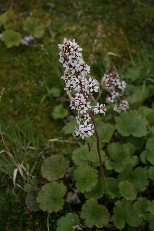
[{"x": 99, "y": 153}]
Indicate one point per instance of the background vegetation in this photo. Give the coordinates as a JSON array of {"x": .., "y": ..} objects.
[{"x": 111, "y": 33}]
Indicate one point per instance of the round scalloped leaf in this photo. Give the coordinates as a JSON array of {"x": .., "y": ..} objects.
[
  {"x": 127, "y": 190},
  {"x": 5, "y": 17},
  {"x": 92, "y": 154},
  {"x": 151, "y": 172},
  {"x": 97, "y": 191},
  {"x": 11, "y": 38},
  {"x": 79, "y": 156},
  {"x": 131, "y": 123},
  {"x": 86, "y": 178},
  {"x": 31, "y": 201},
  {"x": 142, "y": 207},
  {"x": 124, "y": 212},
  {"x": 140, "y": 178},
  {"x": 139, "y": 95},
  {"x": 69, "y": 128},
  {"x": 59, "y": 112},
  {"x": 54, "y": 167},
  {"x": 66, "y": 223},
  {"x": 94, "y": 214},
  {"x": 112, "y": 187},
  {"x": 121, "y": 156},
  {"x": 50, "y": 197},
  {"x": 34, "y": 26},
  {"x": 105, "y": 130}
]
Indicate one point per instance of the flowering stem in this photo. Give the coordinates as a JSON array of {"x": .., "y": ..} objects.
[{"x": 99, "y": 154}]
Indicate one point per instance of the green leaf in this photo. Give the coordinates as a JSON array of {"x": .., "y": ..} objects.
[
  {"x": 34, "y": 26},
  {"x": 151, "y": 172},
  {"x": 145, "y": 111},
  {"x": 151, "y": 207},
  {"x": 150, "y": 150},
  {"x": 97, "y": 191},
  {"x": 121, "y": 156},
  {"x": 5, "y": 17},
  {"x": 86, "y": 178},
  {"x": 127, "y": 190},
  {"x": 139, "y": 95},
  {"x": 54, "y": 167},
  {"x": 69, "y": 128},
  {"x": 112, "y": 187},
  {"x": 140, "y": 178},
  {"x": 124, "y": 212},
  {"x": 31, "y": 201},
  {"x": 50, "y": 197},
  {"x": 11, "y": 38},
  {"x": 79, "y": 156},
  {"x": 92, "y": 154},
  {"x": 150, "y": 144},
  {"x": 131, "y": 123},
  {"x": 67, "y": 222},
  {"x": 142, "y": 207},
  {"x": 150, "y": 118},
  {"x": 94, "y": 214},
  {"x": 105, "y": 130},
  {"x": 59, "y": 112},
  {"x": 151, "y": 224},
  {"x": 54, "y": 91}
]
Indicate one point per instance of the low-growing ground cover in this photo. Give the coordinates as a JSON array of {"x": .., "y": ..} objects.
[{"x": 36, "y": 122}]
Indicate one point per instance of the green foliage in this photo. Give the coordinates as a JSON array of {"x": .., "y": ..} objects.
[
  {"x": 11, "y": 38},
  {"x": 124, "y": 212},
  {"x": 138, "y": 177},
  {"x": 67, "y": 222},
  {"x": 59, "y": 112},
  {"x": 149, "y": 150},
  {"x": 97, "y": 191},
  {"x": 131, "y": 123},
  {"x": 105, "y": 130},
  {"x": 5, "y": 17},
  {"x": 112, "y": 187},
  {"x": 85, "y": 177},
  {"x": 142, "y": 207},
  {"x": 51, "y": 197},
  {"x": 94, "y": 214},
  {"x": 69, "y": 128},
  {"x": 31, "y": 201},
  {"x": 30, "y": 75},
  {"x": 34, "y": 26},
  {"x": 127, "y": 190},
  {"x": 151, "y": 172},
  {"x": 54, "y": 167},
  {"x": 79, "y": 156},
  {"x": 120, "y": 155}
]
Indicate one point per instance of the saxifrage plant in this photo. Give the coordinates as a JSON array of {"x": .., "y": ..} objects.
[{"x": 111, "y": 177}]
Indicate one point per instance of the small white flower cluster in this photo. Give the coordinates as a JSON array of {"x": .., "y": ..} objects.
[
  {"x": 115, "y": 86},
  {"x": 80, "y": 85},
  {"x": 27, "y": 40}
]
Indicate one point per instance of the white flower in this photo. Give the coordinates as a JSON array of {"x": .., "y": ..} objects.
[
  {"x": 100, "y": 108},
  {"x": 27, "y": 40},
  {"x": 85, "y": 130},
  {"x": 122, "y": 106}
]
